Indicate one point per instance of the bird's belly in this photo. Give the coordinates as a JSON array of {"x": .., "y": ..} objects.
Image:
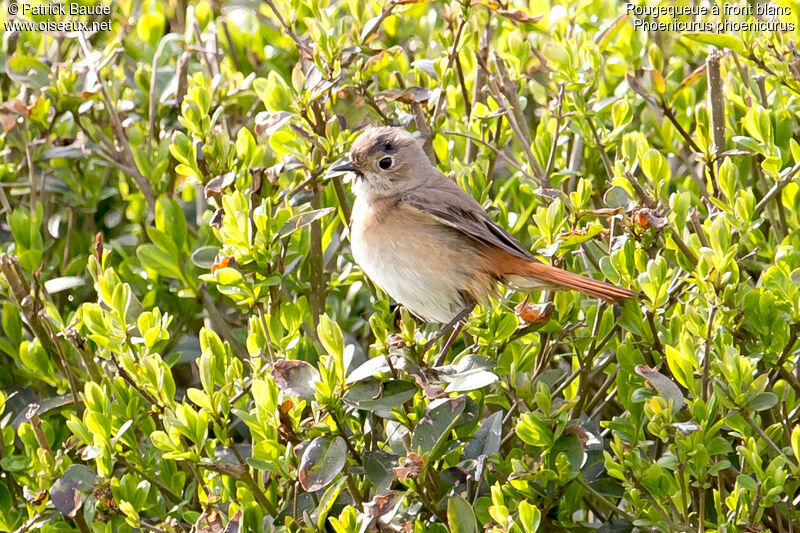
[{"x": 414, "y": 269}]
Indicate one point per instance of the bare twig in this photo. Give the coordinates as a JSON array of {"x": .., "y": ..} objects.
[
  {"x": 707, "y": 356},
  {"x": 601, "y": 149},
  {"x": 451, "y": 59},
  {"x": 506, "y": 94},
  {"x": 778, "y": 187},
  {"x": 119, "y": 132},
  {"x": 503, "y": 156},
  {"x": 559, "y": 117},
  {"x": 420, "y": 122},
  {"x": 716, "y": 103},
  {"x": 480, "y": 76}
]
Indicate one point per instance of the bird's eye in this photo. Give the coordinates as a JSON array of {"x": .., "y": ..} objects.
[{"x": 385, "y": 163}]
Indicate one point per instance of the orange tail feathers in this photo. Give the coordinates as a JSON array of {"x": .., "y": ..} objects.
[{"x": 535, "y": 274}]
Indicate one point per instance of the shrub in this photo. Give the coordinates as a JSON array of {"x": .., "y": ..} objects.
[{"x": 187, "y": 344}]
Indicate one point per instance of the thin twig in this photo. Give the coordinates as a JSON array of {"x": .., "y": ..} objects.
[
  {"x": 479, "y": 81},
  {"x": 716, "y": 102},
  {"x": 559, "y": 117},
  {"x": 707, "y": 355},
  {"x": 144, "y": 185},
  {"x": 503, "y": 156},
  {"x": 451, "y": 59},
  {"x": 778, "y": 187}
]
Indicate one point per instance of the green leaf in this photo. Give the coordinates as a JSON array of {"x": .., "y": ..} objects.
[
  {"x": 471, "y": 372},
  {"x": 274, "y": 92},
  {"x": 534, "y": 431},
  {"x": 171, "y": 221},
  {"x": 747, "y": 482},
  {"x": 372, "y": 395},
  {"x": 529, "y": 517},
  {"x": 719, "y": 40},
  {"x": 762, "y": 401},
  {"x": 156, "y": 259},
  {"x": 322, "y": 460},
  {"x": 796, "y": 442},
  {"x": 460, "y": 516},
  {"x": 440, "y": 417},
  {"x": 330, "y": 335},
  {"x": 28, "y": 71},
  {"x": 378, "y": 467}
]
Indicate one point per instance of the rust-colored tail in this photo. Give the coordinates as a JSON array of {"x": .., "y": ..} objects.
[{"x": 532, "y": 274}]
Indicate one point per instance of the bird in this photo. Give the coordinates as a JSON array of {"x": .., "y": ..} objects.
[{"x": 430, "y": 245}]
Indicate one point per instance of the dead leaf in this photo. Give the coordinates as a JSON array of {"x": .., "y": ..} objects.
[
  {"x": 233, "y": 524},
  {"x": 410, "y": 467},
  {"x": 586, "y": 438},
  {"x": 216, "y": 218},
  {"x": 268, "y": 123},
  {"x": 411, "y": 95},
  {"x": 8, "y": 122},
  {"x": 656, "y": 218},
  {"x": 519, "y": 15},
  {"x": 216, "y": 186},
  {"x": 605, "y": 211},
  {"x": 534, "y": 313},
  {"x": 15, "y": 105},
  {"x": 10, "y": 112},
  {"x": 295, "y": 377},
  {"x": 431, "y": 391},
  {"x": 210, "y": 521}
]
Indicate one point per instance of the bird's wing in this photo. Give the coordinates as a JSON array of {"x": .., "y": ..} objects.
[{"x": 450, "y": 205}]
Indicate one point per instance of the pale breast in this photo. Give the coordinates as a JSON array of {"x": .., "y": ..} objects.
[{"x": 422, "y": 265}]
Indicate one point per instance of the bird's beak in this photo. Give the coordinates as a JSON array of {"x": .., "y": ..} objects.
[{"x": 347, "y": 166}]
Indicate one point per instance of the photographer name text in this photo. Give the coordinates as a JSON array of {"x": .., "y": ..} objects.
[{"x": 21, "y": 12}]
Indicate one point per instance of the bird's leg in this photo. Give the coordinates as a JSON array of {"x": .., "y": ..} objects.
[
  {"x": 450, "y": 340},
  {"x": 457, "y": 321}
]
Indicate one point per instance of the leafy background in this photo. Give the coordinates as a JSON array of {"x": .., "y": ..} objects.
[{"x": 187, "y": 344}]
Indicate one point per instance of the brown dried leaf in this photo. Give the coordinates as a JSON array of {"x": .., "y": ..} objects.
[
  {"x": 535, "y": 313},
  {"x": 519, "y": 15},
  {"x": 269, "y": 123},
  {"x": 411, "y": 95},
  {"x": 216, "y": 186},
  {"x": 605, "y": 211},
  {"x": 587, "y": 439},
  {"x": 216, "y": 219},
  {"x": 410, "y": 467},
  {"x": 10, "y": 112},
  {"x": 296, "y": 378},
  {"x": 656, "y": 218},
  {"x": 15, "y": 105},
  {"x": 210, "y": 521},
  {"x": 8, "y": 122},
  {"x": 431, "y": 391},
  {"x": 690, "y": 79},
  {"x": 233, "y": 524}
]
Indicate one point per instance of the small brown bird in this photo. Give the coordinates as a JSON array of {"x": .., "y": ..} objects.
[{"x": 429, "y": 244}]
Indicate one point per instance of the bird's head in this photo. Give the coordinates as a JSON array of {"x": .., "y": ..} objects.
[{"x": 386, "y": 160}]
